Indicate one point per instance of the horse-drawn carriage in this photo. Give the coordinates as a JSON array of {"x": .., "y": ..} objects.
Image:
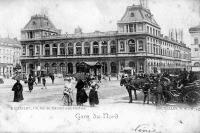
[{"x": 161, "y": 89}]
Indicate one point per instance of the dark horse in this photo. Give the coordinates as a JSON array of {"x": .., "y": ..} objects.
[{"x": 136, "y": 84}]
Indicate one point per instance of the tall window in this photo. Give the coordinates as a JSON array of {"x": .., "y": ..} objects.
[
  {"x": 24, "y": 50},
  {"x": 95, "y": 48},
  {"x": 31, "y": 50},
  {"x": 47, "y": 50},
  {"x": 62, "y": 68},
  {"x": 141, "y": 46},
  {"x": 87, "y": 48},
  {"x": 55, "y": 50},
  {"x": 130, "y": 27},
  {"x": 104, "y": 47},
  {"x": 70, "y": 49},
  {"x": 78, "y": 48},
  {"x": 131, "y": 44},
  {"x": 54, "y": 68},
  {"x": 62, "y": 49},
  {"x": 196, "y": 41},
  {"x": 113, "y": 47},
  {"x": 38, "y": 50},
  {"x": 122, "y": 46}
]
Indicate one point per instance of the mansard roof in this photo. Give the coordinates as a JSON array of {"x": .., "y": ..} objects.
[
  {"x": 10, "y": 42},
  {"x": 195, "y": 29},
  {"x": 40, "y": 22},
  {"x": 137, "y": 13}
]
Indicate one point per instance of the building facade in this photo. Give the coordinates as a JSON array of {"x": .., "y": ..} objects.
[
  {"x": 137, "y": 43},
  {"x": 195, "y": 47},
  {"x": 10, "y": 52}
]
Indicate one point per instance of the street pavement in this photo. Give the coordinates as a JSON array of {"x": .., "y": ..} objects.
[{"x": 42, "y": 110}]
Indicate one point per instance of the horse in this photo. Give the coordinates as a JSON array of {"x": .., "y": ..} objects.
[{"x": 136, "y": 84}]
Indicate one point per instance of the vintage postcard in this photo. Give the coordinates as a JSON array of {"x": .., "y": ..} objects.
[{"x": 107, "y": 66}]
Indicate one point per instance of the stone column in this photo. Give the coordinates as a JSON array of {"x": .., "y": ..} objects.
[
  {"x": 108, "y": 48},
  {"x": 108, "y": 67},
  {"x": 74, "y": 67},
  {"x": 58, "y": 50},
  {"x": 51, "y": 52},
  {"x": 91, "y": 48},
  {"x": 100, "y": 44},
  {"x": 74, "y": 48},
  {"x": 27, "y": 50},
  {"x": 83, "y": 49}
]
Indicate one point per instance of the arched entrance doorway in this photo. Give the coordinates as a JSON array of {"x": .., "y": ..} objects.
[
  {"x": 113, "y": 67},
  {"x": 70, "y": 68}
]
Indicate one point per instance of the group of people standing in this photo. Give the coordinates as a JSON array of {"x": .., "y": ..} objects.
[{"x": 81, "y": 95}]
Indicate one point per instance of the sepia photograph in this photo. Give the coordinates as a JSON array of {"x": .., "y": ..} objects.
[{"x": 99, "y": 66}]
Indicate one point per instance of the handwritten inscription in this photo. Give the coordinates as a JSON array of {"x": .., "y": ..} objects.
[{"x": 146, "y": 128}]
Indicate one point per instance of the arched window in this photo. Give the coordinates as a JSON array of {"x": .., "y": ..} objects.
[
  {"x": 113, "y": 47},
  {"x": 47, "y": 50},
  {"x": 141, "y": 46},
  {"x": 87, "y": 48},
  {"x": 132, "y": 47},
  {"x": 113, "y": 67},
  {"x": 197, "y": 64},
  {"x": 54, "y": 68},
  {"x": 70, "y": 49},
  {"x": 62, "y": 49},
  {"x": 95, "y": 48},
  {"x": 62, "y": 68},
  {"x": 55, "y": 49},
  {"x": 70, "y": 68},
  {"x": 47, "y": 67},
  {"x": 104, "y": 47},
  {"x": 31, "y": 50},
  {"x": 132, "y": 64},
  {"x": 78, "y": 48}
]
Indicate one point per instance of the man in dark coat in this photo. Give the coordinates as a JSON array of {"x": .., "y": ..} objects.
[
  {"x": 31, "y": 81},
  {"x": 81, "y": 96},
  {"x": 18, "y": 89}
]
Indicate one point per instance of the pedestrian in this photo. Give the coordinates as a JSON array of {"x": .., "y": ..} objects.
[
  {"x": 68, "y": 93},
  {"x": 30, "y": 82},
  {"x": 93, "y": 94},
  {"x": 52, "y": 78},
  {"x": 81, "y": 96},
  {"x": 18, "y": 89},
  {"x": 44, "y": 83},
  {"x": 109, "y": 77},
  {"x": 99, "y": 77}
]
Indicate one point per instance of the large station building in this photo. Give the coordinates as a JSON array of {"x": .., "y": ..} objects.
[{"x": 137, "y": 43}]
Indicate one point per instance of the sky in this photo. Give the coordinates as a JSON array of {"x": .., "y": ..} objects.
[{"x": 93, "y": 15}]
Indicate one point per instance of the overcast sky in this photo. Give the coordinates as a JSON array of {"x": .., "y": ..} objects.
[{"x": 93, "y": 15}]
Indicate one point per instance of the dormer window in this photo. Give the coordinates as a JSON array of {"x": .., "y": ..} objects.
[
  {"x": 34, "y": 23},
  {"x": 132, "y": 14}
]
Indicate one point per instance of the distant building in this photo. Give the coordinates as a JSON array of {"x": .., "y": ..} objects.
[
  {"x": 137, "y": 43},
  {"x": 195, "y": 47},
  {"x": 10, "y": 52}
]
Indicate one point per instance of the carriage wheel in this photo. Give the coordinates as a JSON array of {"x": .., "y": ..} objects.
[{"x": 191, "y": 97}]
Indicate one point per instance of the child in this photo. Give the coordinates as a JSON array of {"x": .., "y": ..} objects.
[
  {"x": 93, "y": 95},
  {"x": 68, "y": 93}
]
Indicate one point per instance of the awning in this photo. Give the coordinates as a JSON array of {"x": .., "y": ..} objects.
[
  {"x": 127, "y": 68},
  {"x": 91, "y": 63}
]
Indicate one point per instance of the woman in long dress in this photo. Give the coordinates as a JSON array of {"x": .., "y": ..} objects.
[
  {"x": 81, "y": 96},
  {"x": 18, "y": 89},
  {"x": 93, "y": 95}
]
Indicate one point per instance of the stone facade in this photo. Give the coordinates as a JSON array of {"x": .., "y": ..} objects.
[
  {"x": 137, "y": 43},
  {"x": 10, "y": 52}
]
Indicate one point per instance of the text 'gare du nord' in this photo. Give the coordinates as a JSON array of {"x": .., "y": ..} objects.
[{"x": 137, "y": 43}]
